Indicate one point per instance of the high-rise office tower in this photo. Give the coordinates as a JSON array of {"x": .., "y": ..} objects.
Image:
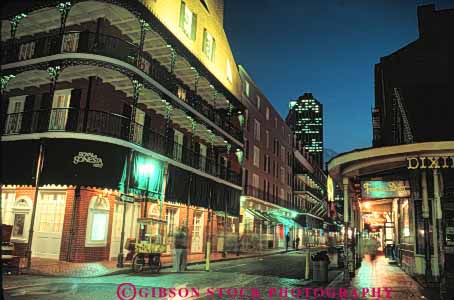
[{"x": 305, "y": 118}]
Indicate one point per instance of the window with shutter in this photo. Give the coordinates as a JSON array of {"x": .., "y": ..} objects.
[
  {"x": 208, "y": 45},
  {"x": 188, "y": 21}
]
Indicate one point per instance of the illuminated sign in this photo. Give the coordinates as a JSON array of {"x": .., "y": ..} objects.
[
  {"x": 88, "y": 157},
  {"x": 377, "y": 189},
  {"x": 330, "y": 189},
  {"x": 430, "y": 162}
]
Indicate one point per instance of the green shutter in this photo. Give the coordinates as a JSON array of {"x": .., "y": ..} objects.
[
  {"x": 182, "y": 8},
  {"x": 204, "y": 44},
  {"x": 194, "y": 26},
  {"x": 213, "y": 50}
]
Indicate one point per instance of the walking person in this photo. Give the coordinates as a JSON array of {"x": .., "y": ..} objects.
[
  {"x": 372, "y": 248},
  {"x": 287, "y": 241},
  {"x": 297, "y": 242},
  {"x": 180, "y": 245}
]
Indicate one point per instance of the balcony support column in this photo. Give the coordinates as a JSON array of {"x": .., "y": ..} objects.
[
  {"x": 345, "y": 182},
  {"x": 173, "y": 59},
  {"x": 87, "y": 104},
  {"x": 425, "y": 215},
  {"x": 4, "y": 82},
  {"x": 168, "y": 119},
  {"x": 212, "y": 158},
  {"x": 136, "y": 88},
  {"x": 196, "y": 80},
  {"x": 192, "y": 148},
  {"x": 144, "y": 27},
  {"x": 227, "y": 167},
  {"x": 63, "y": 8},
  {"x": 54, "y": 73},
  {"x": 14, "y": 22}
]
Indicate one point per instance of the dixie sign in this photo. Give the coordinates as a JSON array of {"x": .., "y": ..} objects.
[{"x": 430, "y": 162}]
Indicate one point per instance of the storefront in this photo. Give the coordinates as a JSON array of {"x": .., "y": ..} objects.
[
  {"x": 88, "y": 191},
  {"x": 413, "y": 187}
]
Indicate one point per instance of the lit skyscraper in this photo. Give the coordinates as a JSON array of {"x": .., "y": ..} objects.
[{"x": 305, "y": 118}]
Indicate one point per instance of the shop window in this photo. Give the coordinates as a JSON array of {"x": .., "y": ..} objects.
[
  {"x": 172, "y": 221},
  {"x": 19, "y": 218},
  {"x": 98, "y": 222},
  {"x": 18, "y": 225},
  {"x": 7, "y": 204}
]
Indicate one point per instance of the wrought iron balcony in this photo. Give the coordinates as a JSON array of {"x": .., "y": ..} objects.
[
  {"x": 306, "y": 189},
  {"x": 116, "y": 126},
  {"x": 106, "y": 45},
  {"x": 258, "y": 193}
]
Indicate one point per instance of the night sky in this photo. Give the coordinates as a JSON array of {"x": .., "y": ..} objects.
[{"x": 328, "y": 48}]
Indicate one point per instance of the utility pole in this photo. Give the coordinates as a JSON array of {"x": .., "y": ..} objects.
[
  {"x": 39, "y": 167},
  {"x": 128, "y": 182}
]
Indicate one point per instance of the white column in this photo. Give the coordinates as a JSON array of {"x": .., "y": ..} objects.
[
  {"x": 438, "y": 228},
  {"x": 346, "y": 227}
]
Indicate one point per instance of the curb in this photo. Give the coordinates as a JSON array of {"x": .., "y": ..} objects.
[{"x": 129, "y": 269}]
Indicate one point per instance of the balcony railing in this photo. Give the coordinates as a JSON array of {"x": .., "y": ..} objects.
[
  {"x": 314, "y": 192},
  {"x": 112, "y": 125},
  {"x": 263, "y": 195},
  {"x": 101, "y": 44}
]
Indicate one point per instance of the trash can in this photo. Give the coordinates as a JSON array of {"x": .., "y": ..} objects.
[{"x": 320, "y": 262}]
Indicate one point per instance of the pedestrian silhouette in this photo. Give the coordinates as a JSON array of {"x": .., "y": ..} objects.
[
  {"x": 180, "y": 245},
  {"x": 297, "y": 242},
  {"x": 287, "y": 241}
]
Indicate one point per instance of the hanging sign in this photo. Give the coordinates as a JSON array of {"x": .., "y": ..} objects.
[{"x": 378, "y": 189}]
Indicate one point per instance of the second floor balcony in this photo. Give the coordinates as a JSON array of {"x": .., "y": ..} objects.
[
  {"x": 103, "y": 45},
  {"x": 263, "y": 195},
  {"x": 115, "y": 126}
]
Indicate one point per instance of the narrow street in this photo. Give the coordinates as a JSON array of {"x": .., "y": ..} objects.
[{"x": 280, "y": 271}]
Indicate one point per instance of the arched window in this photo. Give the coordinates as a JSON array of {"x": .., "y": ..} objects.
[
  {"x": 98, "y": 222},
  {"x": 21, "y": 210}
]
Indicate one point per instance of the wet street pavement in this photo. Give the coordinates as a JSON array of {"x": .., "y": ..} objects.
[{"x": 279, "y": 271}]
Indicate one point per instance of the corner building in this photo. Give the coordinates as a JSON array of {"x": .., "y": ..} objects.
[
  {"x": 127, "y": 98},
  {"x": 401, "y": 190}
]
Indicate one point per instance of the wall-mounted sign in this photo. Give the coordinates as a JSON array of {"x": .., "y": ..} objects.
[
  {"x": 378, "y": 189},
  {"x": 88, "y": 157},
  {"x": 430, "y": 162},
  {"x": 330, "y": 189},
  {"x": 127, "y": 198}
]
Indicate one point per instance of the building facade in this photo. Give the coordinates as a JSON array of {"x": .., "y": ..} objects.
[
  {"x": 267, "y": 207},
  {"x": 305, "y": 119},
  {"x": 400, "y": 191},
  {"x": 420, "y": 74},
  {"x": 116, "y": 112},
  {"x": 310, "y": 198}
]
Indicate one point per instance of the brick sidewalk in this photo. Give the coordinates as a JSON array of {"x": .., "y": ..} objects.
[
  {"x": 50, "y": 267},
  {"x": 403, "y": 286}
]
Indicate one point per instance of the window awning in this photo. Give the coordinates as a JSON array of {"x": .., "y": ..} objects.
[
  {"x": 85, "y": 163},
  {"x": 18, "y": 162},
  {"x": 260, "y": 215},
  {"x": 203, "y": 192},
  {"x": 281, "y": 219}
]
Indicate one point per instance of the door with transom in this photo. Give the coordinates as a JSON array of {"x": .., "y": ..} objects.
[
  {"x": 178, "y": 145},
  {"x": 60, "y": 107},
  {"x": 14, "y": 118},
  {"x": 131, "y": 229},
  {"x": 197, "y": 233},
  {"x": 50, "y": 214}
]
